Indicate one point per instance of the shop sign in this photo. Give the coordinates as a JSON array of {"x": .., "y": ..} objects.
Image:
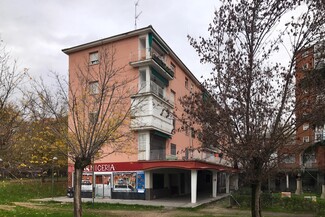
[{"x": 100, "y": 168}]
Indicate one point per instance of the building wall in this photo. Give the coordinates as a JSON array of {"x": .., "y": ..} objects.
[{"x": 125, "y": 51}]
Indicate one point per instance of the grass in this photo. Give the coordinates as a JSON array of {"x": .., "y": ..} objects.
[
  {"x": 19, "y": 191},
  {"x": 24, "y": 190}
]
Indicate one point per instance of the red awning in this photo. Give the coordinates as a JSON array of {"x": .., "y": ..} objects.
[{"x": 150, "y": 165}]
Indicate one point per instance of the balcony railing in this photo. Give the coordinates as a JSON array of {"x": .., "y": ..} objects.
[
  {"x": 162, "y": 63},
  {"x": 158, "y": 154},
  {"x": 149, "y": 53}
]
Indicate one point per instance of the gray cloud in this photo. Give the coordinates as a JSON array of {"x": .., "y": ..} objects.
[{"x": 35, "y": 31}]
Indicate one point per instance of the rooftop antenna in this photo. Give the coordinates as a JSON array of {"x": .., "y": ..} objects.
[{"x": 136, "y": 15}]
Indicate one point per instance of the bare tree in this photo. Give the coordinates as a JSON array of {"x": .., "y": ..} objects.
[
  {"x": 249, "y": 102},
  {"x": 98, "y": 105},
  {"x": 10, "y": 109}
]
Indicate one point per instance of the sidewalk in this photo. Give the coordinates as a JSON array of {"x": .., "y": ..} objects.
[{"x": 179, "y": 202}]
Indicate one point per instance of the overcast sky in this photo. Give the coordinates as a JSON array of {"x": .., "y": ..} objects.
[{"x": 35, "y": 31}]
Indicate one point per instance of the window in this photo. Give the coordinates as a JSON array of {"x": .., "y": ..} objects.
[
  {"x": 186, "y": 131},
  {"x": 305, "y": 127},
  {"x": 305, "y": 139},
  {"x": 142, "y": 140},
  {"x": 172, "y": 97},
  {"x": 93, "y": 117},
  {"x": 94, "y": 87},
  {"x": 173, "y": 149},
  {"x": 173, "y": 68},
  {"x": 289, "y": 159},
  {"x": 318, "y": 137},
  {"x": 186, "y": 83},
  {"x": 143, "y": 81},
  {"x": 192, "y": 87},
  {"x": 309, "y": 158},
  {"x": 93, "y": 58},
  {"x": 192, "y": 132},
  {"x": 305, "y": 66},
  {"x": 157, "y": 86}
]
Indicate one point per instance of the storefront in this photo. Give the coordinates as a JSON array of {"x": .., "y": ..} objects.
[{"x": 152, "y": 180}]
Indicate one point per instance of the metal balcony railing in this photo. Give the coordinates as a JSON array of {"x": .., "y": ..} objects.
[{"x": 141, "y": 55}]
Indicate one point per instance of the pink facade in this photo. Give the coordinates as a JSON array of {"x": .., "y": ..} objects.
[{"x": 162, "y": 159}]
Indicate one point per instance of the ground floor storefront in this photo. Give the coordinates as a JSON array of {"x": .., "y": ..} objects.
[{"x": 158, "y": 179}]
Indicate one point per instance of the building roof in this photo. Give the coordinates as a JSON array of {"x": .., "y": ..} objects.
[{"x": 137, "y": 32}]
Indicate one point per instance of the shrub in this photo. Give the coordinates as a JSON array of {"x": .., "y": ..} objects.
[{"x": 293, "y": 204}]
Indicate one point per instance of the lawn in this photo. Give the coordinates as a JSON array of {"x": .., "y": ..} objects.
[{"x": 15, "y": 201}]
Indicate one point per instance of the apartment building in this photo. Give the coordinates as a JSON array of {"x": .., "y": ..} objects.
[
  {"x": 165, "y": 161},
  {"x": 308, "y": 165}
]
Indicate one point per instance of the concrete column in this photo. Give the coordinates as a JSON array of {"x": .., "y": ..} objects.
[
  {"x": 287, "y": 181},
  {"x": 214, "y": 183},
  {"x": 323, "y": 192},
  {"x": 236, "y": 177},
  {"x": 147, "y": 47},
  {"x": 148, "y": 79},
  {"x": 148, "y": 184},
  {"x": 227, "y": 183},
  {"x": 147, "y": 145},
  {"x": 166, "y": 180},
  {"x": 299, "y": 185},
  {"x": 193, "y": 186}
]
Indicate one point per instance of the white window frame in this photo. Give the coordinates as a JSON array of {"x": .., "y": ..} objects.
[
  {"x": 305, "y": 139},
  {"x": 94, "y": 87},
  {"x": 305, "y": 126},
  {"x": 93, "y": 58}
]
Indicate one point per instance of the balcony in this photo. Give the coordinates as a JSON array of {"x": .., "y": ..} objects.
[
  {"x": 151, "y": 57},
  {"x": 151, "y": 112},
  {"x": 319, "y": 134}
]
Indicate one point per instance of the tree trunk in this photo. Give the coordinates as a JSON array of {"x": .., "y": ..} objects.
[
  {"x": 77, "y": 192},
  {"x": 256, "y": 199}
]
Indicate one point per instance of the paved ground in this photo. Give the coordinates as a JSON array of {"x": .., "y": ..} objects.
[{"x": 181, "y": 202}]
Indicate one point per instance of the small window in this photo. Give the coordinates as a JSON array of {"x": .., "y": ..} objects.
[
  {"x": 305, "y": 127},
  {"x": 305, "y": 66},
  {"x": 173, "y": 68},
  {"x": 192, "y": 132},
  {"x": 318, "y": 137},
  {"x": 186, "y": 131},
  {"x": 306, "y": 139},
  {"x": 192, "y": 87},
  {"x": 93, "y": 58},
  {"x": 289, "y": 159},
  {"x": 93, "y": 117},
  {"x": 94, "y": 87},
  {"x": 143, "y": 81},
  {"x": 173, "y": 149},
  {"x": 186, "y": 83},
  {"x": 172, "y": 97}
]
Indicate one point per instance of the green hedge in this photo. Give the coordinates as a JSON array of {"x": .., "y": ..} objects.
[{"x": 276, "y": 203}]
